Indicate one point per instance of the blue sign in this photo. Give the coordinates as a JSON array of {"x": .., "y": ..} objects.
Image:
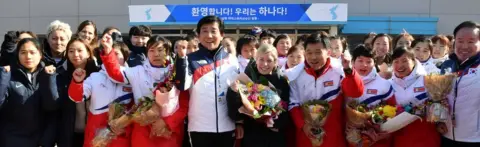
[{"x": 240, "y": 13}]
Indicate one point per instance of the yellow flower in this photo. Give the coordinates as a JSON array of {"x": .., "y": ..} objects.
[
  {"x": 260, "y": 87},
  {"x": 249, "y": 84},
  {"x": 261, "y": 99},
  {"x": 389, "y": 111}
]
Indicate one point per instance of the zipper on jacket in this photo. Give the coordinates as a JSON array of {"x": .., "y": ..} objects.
[{"x": 215, "y": 83}]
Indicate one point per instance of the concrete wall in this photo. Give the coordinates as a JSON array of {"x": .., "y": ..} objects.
[{"x": 35, "y": 15}]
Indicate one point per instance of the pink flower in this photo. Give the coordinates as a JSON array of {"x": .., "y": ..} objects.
[
  {"x": 253, "y": 97},
  {"x": 283, "y": 104}
]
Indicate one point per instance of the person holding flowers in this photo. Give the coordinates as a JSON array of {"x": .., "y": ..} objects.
[
  {"x": 155, "y": 124},
  {"x": 463, "y": 127},
  {"x": 411, "y": 93},
  {"x": 263, "y": 70},
  {"x": 376, "y": 91},
  {"x": 318, "y": 93},
  {"x": 102, "y": 93}
]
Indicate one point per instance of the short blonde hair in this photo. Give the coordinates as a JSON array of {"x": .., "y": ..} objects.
[
  {"x": 57, "y": 25},
  {"x": 266, "y": 49}
]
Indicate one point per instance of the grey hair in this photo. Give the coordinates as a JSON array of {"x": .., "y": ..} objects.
[{"x": 58, "y": 25}]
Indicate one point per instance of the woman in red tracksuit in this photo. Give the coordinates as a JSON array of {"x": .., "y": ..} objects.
[
  {"x": 408, "y": 84},
  {"x": 144, "y": 79},
  {"x": 102, "y": 92},
  {"x": 320, "y": 80}
]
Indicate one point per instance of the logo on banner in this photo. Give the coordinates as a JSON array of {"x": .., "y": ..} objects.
[
  {"x": 419, "y": 89},
  {"x": 327, "y": 83},
  {"x": 333, "y": 12},
  {"x": 147, "y": 13},
  {"x": 372, "y": 91}
]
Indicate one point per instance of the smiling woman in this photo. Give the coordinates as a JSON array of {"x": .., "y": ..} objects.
[{"x": 87, "y": 30}]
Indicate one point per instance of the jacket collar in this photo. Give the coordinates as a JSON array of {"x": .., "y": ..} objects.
[
  {"x": 407, "y": 81},
  {"x": 370, "y": 77},
  {"x": 243, "y": 61},
  {"x": 312, "y": 71}
]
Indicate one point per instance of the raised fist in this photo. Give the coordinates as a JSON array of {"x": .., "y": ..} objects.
[
  {"x": 50, "y": 69},
  {"x": 79, "y": 75}
]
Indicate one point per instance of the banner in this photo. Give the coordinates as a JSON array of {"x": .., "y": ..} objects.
[{"x": 316, "y": 13}]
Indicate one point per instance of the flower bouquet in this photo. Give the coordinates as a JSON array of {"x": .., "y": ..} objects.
[
  {"x": 315, "y": 113},
  {"x": 363, "y": 122},
  {"x": 118, "y": 119},
  {"x": 405, "y": 114},
  {"x": 438, "y": 86},
  {"x": 146, "y": 111},
  {"x": 357, "y": 114},
  {"x": 166, "y": 94},
  {"x": 160, "y": 129},
  {"x": 166, "y": 97},
  {"x": 259, "y": 101}
]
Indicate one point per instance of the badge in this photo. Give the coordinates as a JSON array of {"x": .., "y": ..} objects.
[
  {"x": 127, "y": 89},
  {"x": 372, "y": 91},
  {"x": 327, "y": 83},
  {"x": 419, "y": 89}
]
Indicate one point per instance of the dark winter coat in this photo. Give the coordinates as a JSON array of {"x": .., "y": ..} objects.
[
  {"x": 256, "y": 134},
  {"x": 24, "y": 106},
  {"x": 65, "y": 121}
]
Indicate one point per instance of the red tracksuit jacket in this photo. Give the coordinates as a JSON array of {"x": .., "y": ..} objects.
[{"x": 331, "y": 85}]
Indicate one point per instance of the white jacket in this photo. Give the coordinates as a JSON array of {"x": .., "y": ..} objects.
[
  {"x": 143, "y": 78},
  {"x": 102, "y": 91},
  {"x": 467, "y": 107},
  {"x": 208, "y": 84},
  {"x": 439, "y": 60},
  {"x": 304, "y": 87},
  {"x": 242, "y": 62},
  {"x": 282, "y": 61},
  {"x": 430, "y": 67},
  {"x": 410, "y": 89},
  {"x": 376, "y": 89}
]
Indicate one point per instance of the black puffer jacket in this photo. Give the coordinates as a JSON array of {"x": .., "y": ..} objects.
[
  {"x": 24, "y": 105},
  {"x": 9, "y": 45},
  {"x": 65, "y": 120},
  {"x": 48, "y": 57},
  {"x": 137, "y": 56},
  {"x": 256, "y": 134}
]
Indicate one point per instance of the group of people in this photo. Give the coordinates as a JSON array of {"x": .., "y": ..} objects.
[{"x": 58, "y": 92}]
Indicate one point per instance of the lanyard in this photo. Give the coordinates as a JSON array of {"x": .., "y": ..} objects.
[{"x": 464, "y": 72}]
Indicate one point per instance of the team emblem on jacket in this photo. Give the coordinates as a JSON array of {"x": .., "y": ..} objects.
[
  {"x": 127, "y": 89},
  {"x": 472, "y": 71},
  {"x": 419, "y": 89},
  {"x": 202, "y": 62},
  {"x": 327, "y": 83},
  {"x": 372, "y": 91}
]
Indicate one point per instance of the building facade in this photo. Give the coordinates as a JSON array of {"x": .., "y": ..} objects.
[{"x": 35, "y": 15}]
